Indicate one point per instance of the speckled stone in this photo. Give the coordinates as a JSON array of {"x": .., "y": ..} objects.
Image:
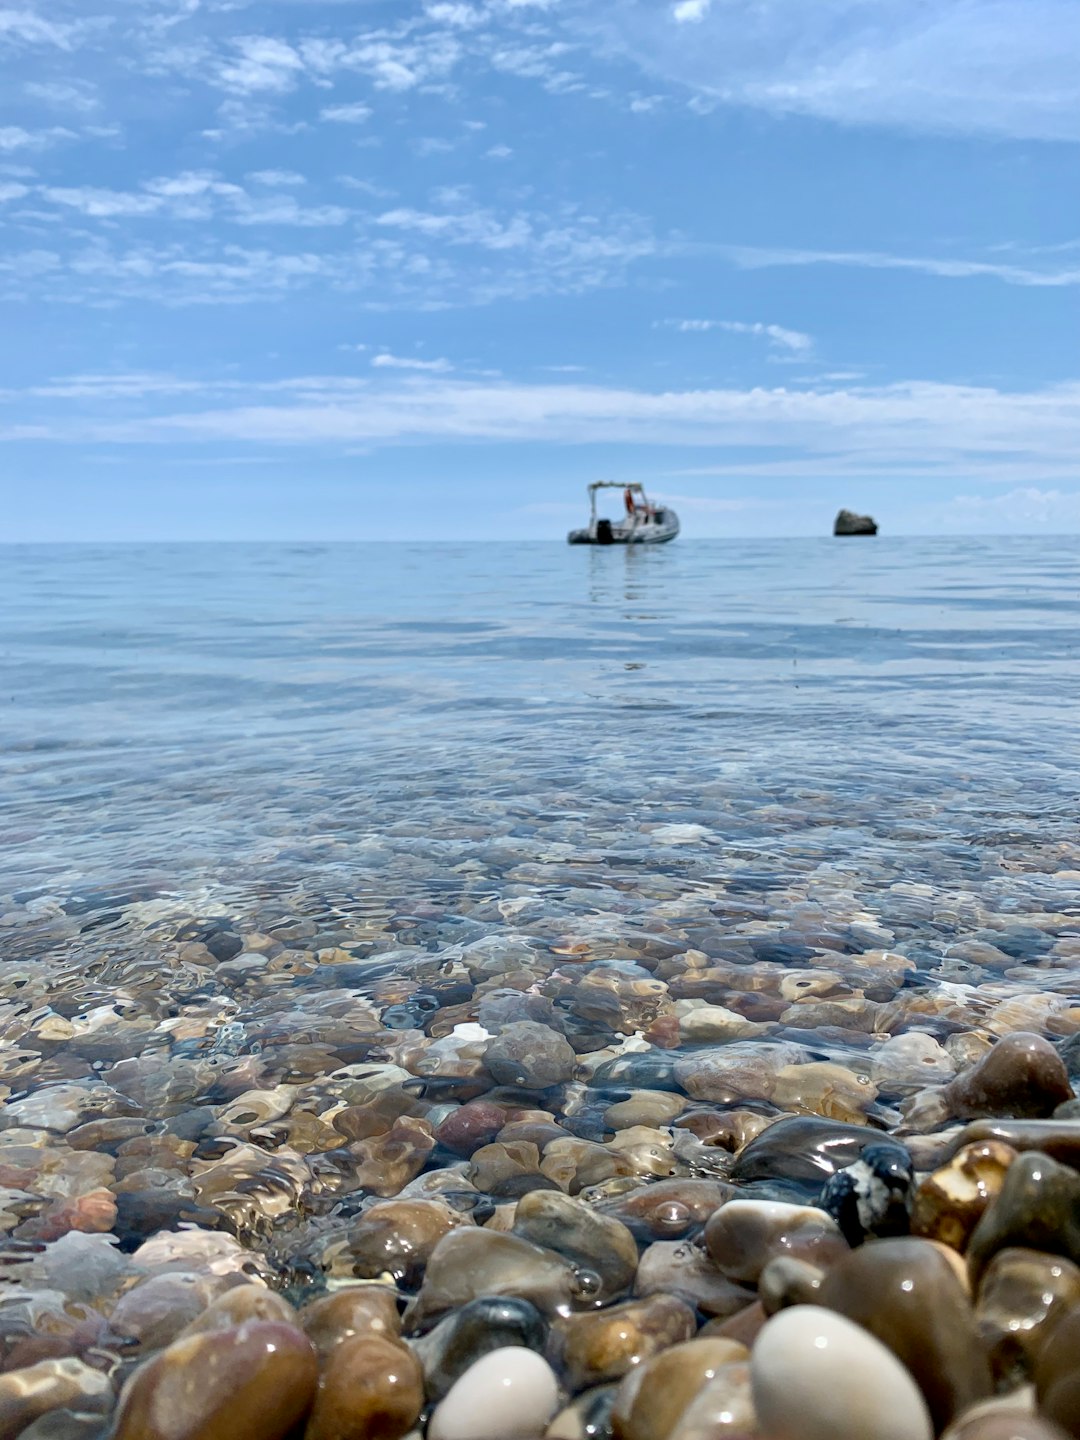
[{"x": 356, "y": 1310}]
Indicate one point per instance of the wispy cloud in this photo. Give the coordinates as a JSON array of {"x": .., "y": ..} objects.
[
  {"x": 385, "y": 361},
  {"x": 921, "y": 429},
  {"x": 1004, "y": 67},
  {"x": 353, "y": 114},
  {"x": 793, "y": 341},
  {"x": 751, "y": 257}
]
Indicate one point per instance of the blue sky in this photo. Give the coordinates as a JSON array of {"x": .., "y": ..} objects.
[{"x": 392, "y": 268}]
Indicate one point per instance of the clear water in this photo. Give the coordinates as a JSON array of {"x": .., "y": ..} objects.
[{"x": 413, "y": 742}]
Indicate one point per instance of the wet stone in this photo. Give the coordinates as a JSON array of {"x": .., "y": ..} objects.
[
  {"x": 817, "y": 1376},
  {"x": 531, "y": 1056},
  {"x": 1057, "y": 1375},
  {"x": 598, "y": 1346},
  {"x": 683, "y": 1269},
  {"x": 594, "y": 1243},
  {"x": 744, "y": 1235},
  {"x": 510, "y": 1394},
  {"x": 458, "y": 1341},
  {"x": 652, "y": 1400},
  {"x": 906, "y": 1293},
  {"x": 587, "y": 1417},
  {"x": 395, "y": 1239},
  {"x": 257, "y": 1380},
  {"x": 371, "y": 1387},
  {"x": 1022, "y": 1296},
  {"x": 356, "y": 1310},
  {"x": 802, "y": 1148},
  {"x": 949, "y": 1203},
  {"x": 873, "y": 1195},
  {"x": 470, "y": 1263},
  {"x": 1037, "y": 1208},
  {"x": 1022, "y": 1076},
  {"x": 50, "y": 1385}
]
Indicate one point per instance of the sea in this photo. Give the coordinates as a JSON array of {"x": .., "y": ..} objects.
[{"x": 417, "y": 745}]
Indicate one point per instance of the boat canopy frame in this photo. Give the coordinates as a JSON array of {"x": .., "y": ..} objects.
[{"x": 612, "y": 485}]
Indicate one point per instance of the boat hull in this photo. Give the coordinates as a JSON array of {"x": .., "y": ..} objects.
[{"x": 626, "y": 533}]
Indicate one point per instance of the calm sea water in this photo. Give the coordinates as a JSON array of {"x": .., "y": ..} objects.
[{"x": 384, "y": 727}]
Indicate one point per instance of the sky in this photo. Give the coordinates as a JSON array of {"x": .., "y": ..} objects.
[{"x": 392, "y": 269}]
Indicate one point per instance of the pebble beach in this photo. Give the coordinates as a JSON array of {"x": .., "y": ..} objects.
[{"x": 612, "y": 996}]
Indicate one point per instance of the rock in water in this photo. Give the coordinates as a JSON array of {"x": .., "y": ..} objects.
[
  {"x": 848, "y": 523},
  {"x": 508, "y": 1395},
  {"x": 257, "y": 1381},
  {"x": 817, "y": 1376}
]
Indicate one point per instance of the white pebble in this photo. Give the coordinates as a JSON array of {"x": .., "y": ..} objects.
[
  {"x": 818, "y": 1376},
  {"x": 510, "y": 1394}
]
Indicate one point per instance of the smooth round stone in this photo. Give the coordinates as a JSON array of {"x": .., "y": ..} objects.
[
  {"x": 1037, "y": 1208},
  {"x": 724, "y": 1406},
  {"x": 598, "y": 1244},
  {"x": 396, "y": 1239},
  {"x": 470, "y": 1126},
  {"x": 356, "y": 1310},
  {"x": 50, "y": 1385},
  {"x": 531, "y": 1056},
  {"x": 1060, "y": 1139},
  {"x": 602, "y": 1345},
  {"x": 510, "y": 1394},
  {"x": 677, "y": 1267},
  {"x": 371, "y": 1388},
  {"x": 1022, "y": 1076},
  {"x": 1023, "y": 1294},
  {"x": 470, "y": 1262},
  {"x": 489, "y": 1323},
  {"x": 906, "y": 1293},
  {"x": 643, "y": 1069},
  {"x": 1005, "y": 1426},
  {"x": 803, "y": 1147},
  {"x": 242, "y": 1303},
  {"x": 256, "y": 1381},
  {"x": 669, "y": 1209},
  {"x": 644, "y": 1107},
  {"x": 744, "y": 1235},
  {"x": 653, "y": 1397},
  {"x": 817, "y": 1376}
]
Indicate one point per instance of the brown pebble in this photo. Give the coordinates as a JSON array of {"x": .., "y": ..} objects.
[
  {"x": 1022, "y": 1076},
  {"x": 950, "y": 1202},
  {"x": 602, "y": 1345},
  {"x": 252, "y": 1383},
  {"x": 653, "y": 1397},
  {"x": 371, "y": 1388},
  {"x": 244, "y": 1302},
  {"x": 357, "y": 1310},
  {"x": 26, "y": 1394}
]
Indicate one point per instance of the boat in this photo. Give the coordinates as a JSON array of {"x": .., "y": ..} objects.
[{"x": 642, "y": 524}]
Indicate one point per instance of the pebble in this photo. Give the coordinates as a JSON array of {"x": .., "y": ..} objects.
[
  {"x": 510, "y": 1394},
  {"x": 744, "y": 1235},
  {"x": 817, "y": 1376},
  {"x": 1023, "y": 1076},
  {"x": 602, "y": 1345},
  {"x": 370, "y": 1388},
  {"x": 256, "y": 1381},
  {"x": 906, "y": 1293},
  {"x": 463, "y": 1337}
]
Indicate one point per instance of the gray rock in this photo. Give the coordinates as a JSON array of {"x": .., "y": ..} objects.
[
  {"x": 848, "y": 523},
  {"x": 530, "y": 1055}
]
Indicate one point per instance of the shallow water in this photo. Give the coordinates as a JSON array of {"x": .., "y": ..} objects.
[{"x": 292, "y": 837}]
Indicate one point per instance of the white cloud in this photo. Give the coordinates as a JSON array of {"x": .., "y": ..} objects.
[
  {"x": 1027, "y": 439},
  {"x": 354, "y": 114},
  {"x": 12, "y": 190},
  {"x": 794, "y": 341},
  {"x": 691, "y": 10},
  {"x": 752, "y": 257},
  {"x": 499, "y": 152},
  {"x": 385, "y": 361},
  {"x": 260, "y": 64},
  {"x": 32, "y": 29}
]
